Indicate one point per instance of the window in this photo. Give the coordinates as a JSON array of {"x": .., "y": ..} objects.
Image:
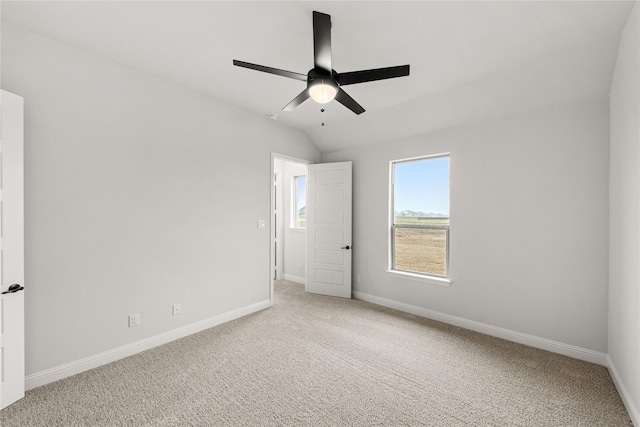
[
  {"x": 298, "y": 202},
  {"x": 420, "y": 216}
]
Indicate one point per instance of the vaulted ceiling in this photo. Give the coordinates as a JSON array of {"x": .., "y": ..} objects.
[{"x": 469, "y": 60}]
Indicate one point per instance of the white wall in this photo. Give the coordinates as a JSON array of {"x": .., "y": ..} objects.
[
  {"x": 138, "y": 194},
  {"x": 529, "y": 223},
  {"x": 295, "y": 240},
  {"x": 624, "y": 199}
]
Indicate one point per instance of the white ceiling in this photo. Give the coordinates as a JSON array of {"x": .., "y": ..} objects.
[{"x": 469, "y": 60}]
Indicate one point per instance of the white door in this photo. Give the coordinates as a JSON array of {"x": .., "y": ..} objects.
[
  {"x": 11, "y": 251},
  {"x": 329, "y": 228}
]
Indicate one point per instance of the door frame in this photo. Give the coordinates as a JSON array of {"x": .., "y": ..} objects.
[
  {"x": 272, "y": 206},
  {"x": 277, "y": 233}
]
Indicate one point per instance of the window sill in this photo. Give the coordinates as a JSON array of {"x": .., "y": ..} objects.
[{"x": 434, "y": 280}]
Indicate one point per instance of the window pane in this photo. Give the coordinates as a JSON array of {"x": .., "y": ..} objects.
[
  {"x": 421, "y": 250},
  {"x": 422, "y": 188},
  {"x": 299, "y": 202}
]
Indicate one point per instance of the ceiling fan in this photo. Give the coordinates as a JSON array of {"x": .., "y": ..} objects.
[{"x": 323, "y": 82}]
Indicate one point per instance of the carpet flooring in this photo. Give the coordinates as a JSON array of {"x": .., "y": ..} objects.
[{"x": 319, "y": 361}]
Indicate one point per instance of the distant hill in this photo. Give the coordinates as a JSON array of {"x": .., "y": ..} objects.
[{"x": 409, "y": 213}]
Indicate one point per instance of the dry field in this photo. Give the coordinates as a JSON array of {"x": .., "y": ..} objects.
[{"x": 421, "y": 250}]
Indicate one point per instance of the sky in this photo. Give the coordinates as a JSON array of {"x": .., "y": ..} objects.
[{"x": 422, "y": 186}]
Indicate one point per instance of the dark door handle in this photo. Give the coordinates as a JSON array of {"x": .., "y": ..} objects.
[
  {"x": 346, "y": 247},
  {"x": 13, "y": 288}
]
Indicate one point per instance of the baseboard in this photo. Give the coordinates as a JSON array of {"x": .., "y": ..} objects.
[
  {"x": 294, "y": 279},
  {"x": 495, "y": 331},
  {"x": 624, "y": 393},
  {"x": 68, "y": 369}
]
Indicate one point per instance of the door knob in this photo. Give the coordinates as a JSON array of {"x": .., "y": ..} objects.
[
  {"x": 346, "y": 247},
  {"x": 13, "y": 288}
]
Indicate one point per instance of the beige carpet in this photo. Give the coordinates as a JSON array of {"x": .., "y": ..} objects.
[{"x": 320, "y": 361}]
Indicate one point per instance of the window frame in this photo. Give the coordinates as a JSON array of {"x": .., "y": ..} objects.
[
  {"x": 432, "y": 278},
  {"x": 293, "y": 224}
]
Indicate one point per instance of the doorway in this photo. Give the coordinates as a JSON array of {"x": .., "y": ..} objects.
[{"x": 288, "y": 220}]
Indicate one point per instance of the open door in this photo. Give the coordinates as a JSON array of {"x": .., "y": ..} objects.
[
  {"x": 329, "y": 229},
  {"x": 11, "y": 251}
]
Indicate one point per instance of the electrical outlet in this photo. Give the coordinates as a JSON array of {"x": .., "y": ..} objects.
[
  {"x": 176, "y": 309},
  {"x": 134, "y": 320}
]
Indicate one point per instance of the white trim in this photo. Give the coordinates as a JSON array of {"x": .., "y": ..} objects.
[
  {"x": 434, "y": 280},
  {"x": 624, "y": 393},
  {"x": 495, "y": 331},
  {"x": 421, "y": 158},
  {"x": 278, "y": 227},
  {"x": 295, "y": 279},
  {"x": 72, "y": 368}
]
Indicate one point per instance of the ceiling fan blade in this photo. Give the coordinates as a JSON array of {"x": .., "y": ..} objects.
[
  {"x": 343, "y": 98},
  {"x": 271, "y": 70},
  {"x": 304, "y": 95},
  {"x": 372, "y": 75},
  {"x": 322, "y": 41}
]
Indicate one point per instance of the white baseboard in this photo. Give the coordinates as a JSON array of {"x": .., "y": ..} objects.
[
  {"x": 72, "y": 368},
  {"x": 495, "y": 331},
  {"x": 624, "y": 393},
  {"x": 294, "y": 279}
]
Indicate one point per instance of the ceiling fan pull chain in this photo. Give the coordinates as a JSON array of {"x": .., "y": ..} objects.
[{"x": 322, "y": 113}]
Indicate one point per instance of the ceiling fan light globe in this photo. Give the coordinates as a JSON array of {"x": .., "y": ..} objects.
[{"x": 323, "y": 90}]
